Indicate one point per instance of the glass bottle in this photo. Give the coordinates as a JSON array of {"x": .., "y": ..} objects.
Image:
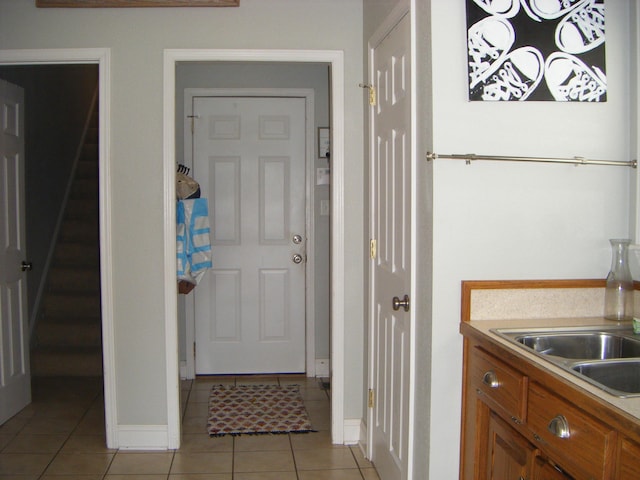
[{"x": 618, "y": 295}]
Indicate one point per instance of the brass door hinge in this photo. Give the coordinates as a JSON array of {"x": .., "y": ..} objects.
[
  {"x": 372, "y": 93},
  {"x": 373, "y": 248},
  {"x": 193, "y": 117},
  {"x": 372, "y": 398}
]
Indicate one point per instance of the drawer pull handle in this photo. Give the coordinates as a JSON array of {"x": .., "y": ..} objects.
[
  {"x": 559, "y": 426},
  {"x": 491, "y": 379}
]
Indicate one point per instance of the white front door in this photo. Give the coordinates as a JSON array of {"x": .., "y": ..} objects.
[
  {"x": 249, "y": 156},
  {"x": 15, "y": 379},
  {"x": 390, "y": 277}
]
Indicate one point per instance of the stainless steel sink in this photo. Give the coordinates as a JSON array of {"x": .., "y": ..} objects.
[
  {"x": 620, "y": 377},
  {"x": 587, "y": 345},
  {"x": 607, "y": 357}
]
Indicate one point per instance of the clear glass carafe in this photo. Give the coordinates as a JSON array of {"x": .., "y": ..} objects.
[{"x": 618, "y": 296}]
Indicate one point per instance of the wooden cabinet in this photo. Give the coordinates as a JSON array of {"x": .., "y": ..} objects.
[
  {"x": 501, "y": 386},
  {"x": 628, "y": 460},
  {"x": 520, "y": 423},
  {"x": 577, "y": 440},
  {"x": 545, "y": 470},
  {"x": 509, "y": 455}
]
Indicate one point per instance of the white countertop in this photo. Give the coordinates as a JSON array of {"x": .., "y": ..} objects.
[{"x": 629, "y": 405}]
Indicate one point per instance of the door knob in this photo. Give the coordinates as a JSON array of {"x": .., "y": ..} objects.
[
  {"x": 297, "y": 239},
  {"x": 26, "y": 266},
  {"x": 404, "y": 303},
  {"x": 297, "y": 258}
]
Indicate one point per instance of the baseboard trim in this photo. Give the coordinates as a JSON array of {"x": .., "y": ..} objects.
[
  {"x": 352, "y": 429},
  {"x": 362, "y": 441},
  {"x": 142, "y": 437},
  {"x": 183, "y": 370}
]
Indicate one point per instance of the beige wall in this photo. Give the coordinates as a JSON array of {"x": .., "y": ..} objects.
[{"x": 137, "y": 38}]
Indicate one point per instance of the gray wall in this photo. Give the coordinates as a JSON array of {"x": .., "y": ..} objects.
[
  {"x": 57, "y": 101},
  {"x": 275, "y": 75},
  {"x": 137, "y": 38}
]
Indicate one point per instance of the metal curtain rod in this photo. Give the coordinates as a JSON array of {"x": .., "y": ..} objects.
[{"x": 468, "y": 157}]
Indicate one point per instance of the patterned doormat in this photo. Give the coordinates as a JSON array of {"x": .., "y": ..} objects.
[{"x": 256, "y": 409}]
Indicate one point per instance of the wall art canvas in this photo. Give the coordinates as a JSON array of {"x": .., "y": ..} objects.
[{"x": 536, "y": 50}]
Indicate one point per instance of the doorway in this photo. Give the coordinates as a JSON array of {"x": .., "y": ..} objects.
[
  {"x": 100, "y": 58},
  {"x": 336, "y": 63}
]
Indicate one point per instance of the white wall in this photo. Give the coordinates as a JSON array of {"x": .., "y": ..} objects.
[
  {"x": 513, "y": 220},
  {"x": 137, "y": 38}
]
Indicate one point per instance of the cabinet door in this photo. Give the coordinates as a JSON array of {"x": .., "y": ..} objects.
[
  {"x": 628, "y": 461},
  {"x": 546, "y": 471},
  {"x": 510, "y": 456}
]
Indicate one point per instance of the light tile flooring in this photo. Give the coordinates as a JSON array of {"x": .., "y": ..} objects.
[{"x": 60, "y": 436}]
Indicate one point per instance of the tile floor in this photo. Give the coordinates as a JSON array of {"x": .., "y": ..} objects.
[{"x": 60, "y": 436}]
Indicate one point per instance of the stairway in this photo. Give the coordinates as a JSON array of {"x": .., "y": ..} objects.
[{"x": 68, "y": 336}]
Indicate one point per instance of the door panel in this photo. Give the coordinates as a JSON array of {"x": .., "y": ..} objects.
[
  {"x": 15, "y": 380},
  {"x": 391, "y": 267},
  {"x": 249, "y": 157}
]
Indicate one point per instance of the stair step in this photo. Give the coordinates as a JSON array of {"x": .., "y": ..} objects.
[
  {"x": 92, "y": 135},
  {"x": 85, "y": 188},
  {"x": 90, "y": 150},
  {"x": 66, "y": 361},
  {"x": 87, "y": 333},
  {"x": 72, "y": 306},
  {"x": 74, "y": 280},
  {"x": 79, "y": 209},
  {"x": 72, "y": 255},
  {"x": 74, "y": 230},
  {"x": 87, "y": 169}
]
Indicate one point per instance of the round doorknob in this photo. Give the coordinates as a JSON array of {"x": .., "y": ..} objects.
[
  {"x": 404, "y": 303},
  {"x": 297, "y": 239},
  {"x": 297, "y": 258},
  {"x": 26, "y": 266}
]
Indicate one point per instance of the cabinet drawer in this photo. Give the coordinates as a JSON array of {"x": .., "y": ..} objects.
[
  {"x": 503, "y": 385},
  {"x": 628, "y": 463},
  {"x": 575, "y": 438}
]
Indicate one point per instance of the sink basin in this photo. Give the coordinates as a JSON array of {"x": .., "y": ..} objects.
[
  {"x": 583, "y": 345},
  {"x": 607, "y": 357},
  {"x": 623, "y": 376}
]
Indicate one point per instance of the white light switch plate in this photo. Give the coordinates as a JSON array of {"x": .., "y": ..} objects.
[{"x": 324, "y": 207}]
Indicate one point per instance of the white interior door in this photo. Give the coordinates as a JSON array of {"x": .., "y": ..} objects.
[
  {"x": 249, "y": 158},
  {"x": 15, "y": 379},
  {"x": 390, "y": 333}
]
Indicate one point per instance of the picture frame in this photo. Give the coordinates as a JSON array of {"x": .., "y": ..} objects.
[
  {"x": 324, "y": 142},
  {"x": 134, "y": 3}
]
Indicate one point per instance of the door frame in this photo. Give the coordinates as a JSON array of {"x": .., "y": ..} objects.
[
  {"x": 102, "y": 58},
  {"x": 389, "y": 23},
  {"x": 335, "y": 58},
  {"x": 309, "y": 95}
]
